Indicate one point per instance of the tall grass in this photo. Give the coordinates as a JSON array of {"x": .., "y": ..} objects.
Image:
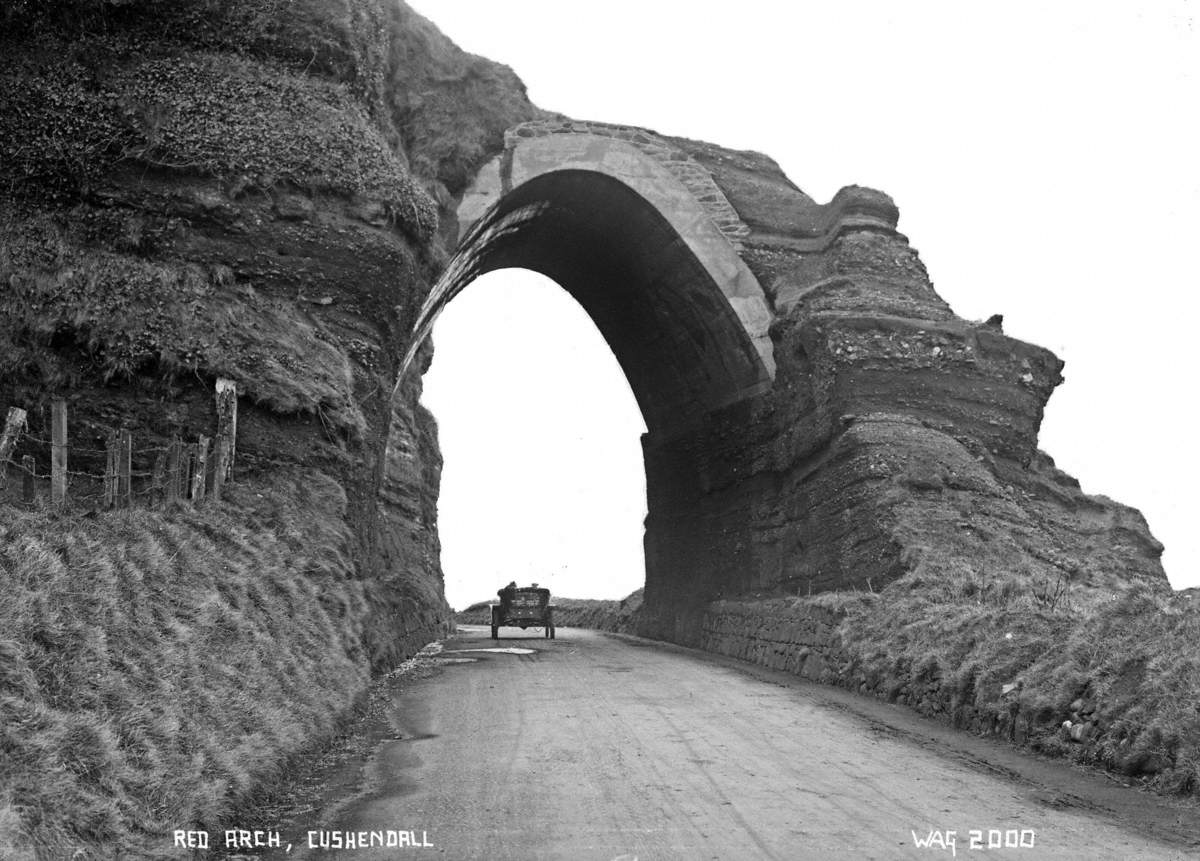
[
  {"x": 999, "y": 648},
  {"x": 155, "y": 666}
]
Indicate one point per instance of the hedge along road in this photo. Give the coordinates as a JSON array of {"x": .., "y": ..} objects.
[{"x": 593, "y": 746}]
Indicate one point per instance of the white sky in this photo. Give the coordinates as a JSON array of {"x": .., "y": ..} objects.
[{"x": 1045, "y": 157}]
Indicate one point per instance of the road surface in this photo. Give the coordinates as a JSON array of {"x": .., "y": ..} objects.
[{"x": 591, "y": 746}]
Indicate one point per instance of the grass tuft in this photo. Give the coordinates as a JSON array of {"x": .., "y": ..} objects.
[
  {"x": 1005, "y": 658},
  {"x": 158, "y": 666}
]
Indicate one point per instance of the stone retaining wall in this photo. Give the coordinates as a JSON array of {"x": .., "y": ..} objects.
[
  {"x": 780, "y": 633},
  {"x": 1125, "y": 728},
  {"x": 805, "y": 637}
]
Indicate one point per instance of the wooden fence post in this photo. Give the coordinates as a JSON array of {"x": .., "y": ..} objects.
[
  {"x": 58, "y": 452},
  {"x": 13, "y": 425},
  {"x": 28, "y": 490},
  {"x": 110, "y": 469},
  {"x": 226, "y": 426},
  {"x": 198, "y": 473},
  {"x": 187, "y": 461},
  {"x": 125, "y": 469},
  {"x": 220, "y": 453},
  {"x": 158, "y": 477},
  {"x": 173, "y": 482}
]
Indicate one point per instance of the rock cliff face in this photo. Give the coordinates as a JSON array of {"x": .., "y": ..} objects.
[
  {"x": 896, "y": 438},
  {"x": 246, "y": 190},
  {"x": 818, "y": 417}
]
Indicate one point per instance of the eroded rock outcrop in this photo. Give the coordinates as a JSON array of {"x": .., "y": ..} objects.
[
  {"x": 819, "y": 418},
  {"x": 896, "y": 434},
  {"x": 244, "y": 190}
]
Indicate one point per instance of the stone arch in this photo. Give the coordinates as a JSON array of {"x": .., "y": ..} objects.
[
  {"x": 631, "y": 241},
  {"x": 814, "y": 433}
]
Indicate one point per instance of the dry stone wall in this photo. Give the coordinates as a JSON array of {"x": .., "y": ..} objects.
[
  {"x": 806, "y": 637},
  {"x": 783, "y": 634}
]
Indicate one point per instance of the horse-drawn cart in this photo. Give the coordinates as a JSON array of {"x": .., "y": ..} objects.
[{"x": 523, "y": 607}]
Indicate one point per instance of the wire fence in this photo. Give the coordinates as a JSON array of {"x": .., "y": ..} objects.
[{"x": 57, "y": 472}]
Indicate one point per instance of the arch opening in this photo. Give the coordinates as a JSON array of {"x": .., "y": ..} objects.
[
  {"x": 651, "y": 254},
  {"x": 543, "y": 478}
]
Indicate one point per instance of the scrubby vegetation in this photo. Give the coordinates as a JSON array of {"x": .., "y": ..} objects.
[
  {"x": 453, "y": 114},
  {"x": 1104, "y": 677},
  {"x": 361, "y": 99},
  {"x": 128, "y": 315},
  {"x": 156, "y": 666},
  {"x": 65, "y": 126},
  {"x": 339, "y": 95}
]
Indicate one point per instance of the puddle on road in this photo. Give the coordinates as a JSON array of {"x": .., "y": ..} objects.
[{"x": 503, "y": 650}]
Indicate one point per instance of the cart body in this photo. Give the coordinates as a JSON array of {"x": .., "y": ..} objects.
[{"x": 527, "y": 607}]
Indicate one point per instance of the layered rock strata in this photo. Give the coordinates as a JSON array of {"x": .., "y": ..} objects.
[
  {"x": 896, "y": 434},
  {"x": 818, "y": 416},
  {"x": 252, "y": 192}
]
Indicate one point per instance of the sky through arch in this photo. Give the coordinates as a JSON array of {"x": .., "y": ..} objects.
[{"x": 543, "y": 477}]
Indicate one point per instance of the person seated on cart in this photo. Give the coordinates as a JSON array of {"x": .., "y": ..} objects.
[{"x": 507, "y": 592}]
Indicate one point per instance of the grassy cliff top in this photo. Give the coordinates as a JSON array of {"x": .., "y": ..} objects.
[{"x": 343, "y": 93}]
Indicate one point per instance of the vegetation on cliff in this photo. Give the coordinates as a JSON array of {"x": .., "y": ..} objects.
[
  {"x": 1058, "y": 628},
  {"x": 1102, "y": 677},
  {"x": 328, "y": 94},
  {"x": 252, "y": 121},
  {"x": 87, "y": 303},
  {"x": 262, "y": 96}
]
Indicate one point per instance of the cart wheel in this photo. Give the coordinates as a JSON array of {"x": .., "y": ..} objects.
[
  {"x": 495, "y": 632},
  {"x": 547, "y": 635}
]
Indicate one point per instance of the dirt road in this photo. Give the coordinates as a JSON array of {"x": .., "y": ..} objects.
[{"x": 596, "y": 747}]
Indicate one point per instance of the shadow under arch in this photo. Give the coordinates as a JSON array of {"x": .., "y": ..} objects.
[{"x": 684, "y": 347}]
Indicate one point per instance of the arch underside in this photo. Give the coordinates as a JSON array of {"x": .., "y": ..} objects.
[{"x": 678, "y": 340}]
